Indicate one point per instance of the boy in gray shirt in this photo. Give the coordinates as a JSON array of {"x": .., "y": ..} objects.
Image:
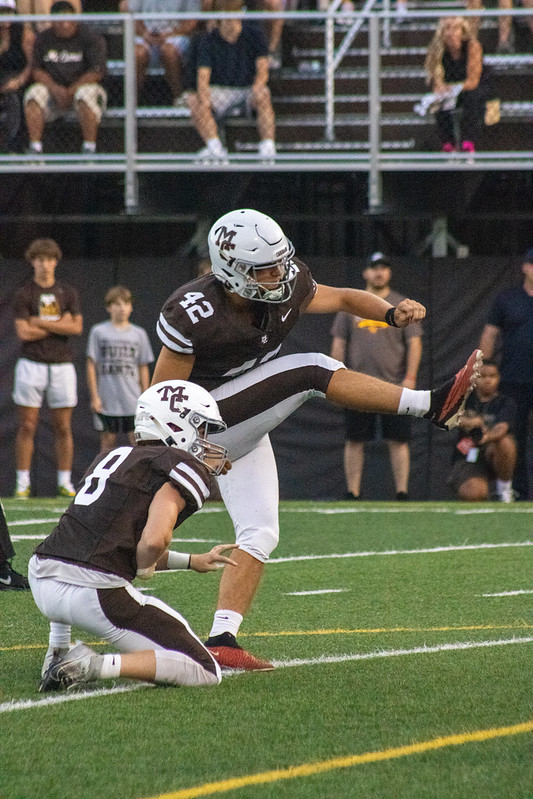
[{"x": 118, "y": 354}]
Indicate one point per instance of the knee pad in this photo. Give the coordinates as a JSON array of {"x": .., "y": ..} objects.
[{"x": 176, "y": 668}]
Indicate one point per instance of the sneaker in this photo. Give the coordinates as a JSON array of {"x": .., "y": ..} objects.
[
  {"x": 351, "y": 497},
  {"x": 448, "y": 401},
  {"x": 81, "y": 664},
  {"x": 10, "y": 580},
  {"x": 22, "y": 493},
  {"x": 468, "y": 147},
  {"x": 48, "y": 682},
  {"x": 507, "y": 495},
  {"x": 402, "y": 496},
  {"x": 66, "y": 491},
  {"x": 228, "y": 654},
  {"x": 448, "y": 147},
  {"x": 207, "y": 156},
  {"x": 267, "y": 151}
]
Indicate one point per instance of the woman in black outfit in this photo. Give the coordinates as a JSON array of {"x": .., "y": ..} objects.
[{"x": 16, "y": 44}]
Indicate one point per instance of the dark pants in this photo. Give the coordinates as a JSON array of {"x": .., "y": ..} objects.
[
  {"x": 10, "y": 119},
  {"x": 466, "y": 120},
  {"x": 523, "y": 396},
  {"x": 6, "y": 547}
]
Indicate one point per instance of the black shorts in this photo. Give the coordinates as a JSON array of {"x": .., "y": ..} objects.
[
  {"x": 462, "y": 471},
  {"x": 113, "y": 424},
  {"x": 364, "y": 426}
]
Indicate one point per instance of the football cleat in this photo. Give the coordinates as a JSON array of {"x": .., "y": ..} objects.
[
  {"x": 10, "y": 580},
  {"x": 229, "y": 655},
  {"x": 23, "y": 493},
  {"x": 448, "y": 401},
  {"x": 48, "y": 682},
  {"x": 80, "y": 665}
]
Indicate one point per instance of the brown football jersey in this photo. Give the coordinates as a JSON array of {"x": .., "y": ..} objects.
[
  {"x": 47, "y": 303},
  {"x": 198, "y": 319},
  {"x": 102, "y": 526}
]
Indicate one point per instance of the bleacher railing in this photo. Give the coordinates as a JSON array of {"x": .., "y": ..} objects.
[{"x": 122, "y": 149}]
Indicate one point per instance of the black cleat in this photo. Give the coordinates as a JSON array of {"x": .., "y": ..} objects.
[{"x": 10, "y": 580}]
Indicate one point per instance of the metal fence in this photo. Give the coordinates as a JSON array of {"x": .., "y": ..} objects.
[{"x": 343, "y": 100}]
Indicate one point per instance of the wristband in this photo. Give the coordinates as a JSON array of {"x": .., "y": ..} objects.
[
  {"x": 178, "y": 560},
  {"x": 389, "y": 317}
]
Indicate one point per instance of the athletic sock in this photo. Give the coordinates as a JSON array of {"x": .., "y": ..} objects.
[
  {"x": 110, "y": 666},
  {"x": 414, "y": 402},
  {"x": 226, "y": 621}
]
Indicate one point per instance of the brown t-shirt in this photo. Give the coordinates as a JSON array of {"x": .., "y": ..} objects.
[{"x": 47, "y": 303}]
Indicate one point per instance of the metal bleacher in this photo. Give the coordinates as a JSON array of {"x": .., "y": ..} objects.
[{"x": 343, "y": 99}]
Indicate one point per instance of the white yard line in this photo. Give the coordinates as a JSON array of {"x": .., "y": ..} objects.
[
  {"x": 314, "y": 593},
  {"x": 508, "y": 593},
  {"x": 57, "y": 699},
  {"x": 424, "y": 551}
]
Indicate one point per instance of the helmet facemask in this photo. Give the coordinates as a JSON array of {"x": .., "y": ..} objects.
[{"x": 254, "y": 288}]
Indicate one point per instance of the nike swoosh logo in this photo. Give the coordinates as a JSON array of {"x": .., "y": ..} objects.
[
  {"x": 285, "y": 315},
  {"x": 5, "y": 580}
]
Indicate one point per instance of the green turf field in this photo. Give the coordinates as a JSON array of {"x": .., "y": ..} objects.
[{"x": 401, "y": 636}]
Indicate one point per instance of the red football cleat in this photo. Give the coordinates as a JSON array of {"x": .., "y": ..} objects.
[
  {"x": 448, "y": 401},
  {"x": 231, "y": 657}
]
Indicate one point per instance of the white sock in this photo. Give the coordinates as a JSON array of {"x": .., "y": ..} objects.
[
  {"x": 23, "y": 479},
  {"x": 110, "y": 667},
  {"x": 64, "y": 478},
  {"x": 503, "y": 486},
  {"x": 89, "y": 146},
  {"x": 226, "y": 621},
  {"x": 37, "y": 146},
  {"x": 413, "y": 402}
]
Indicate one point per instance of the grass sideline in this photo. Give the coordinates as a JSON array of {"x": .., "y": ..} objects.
[{"x": 402, "y": 640}]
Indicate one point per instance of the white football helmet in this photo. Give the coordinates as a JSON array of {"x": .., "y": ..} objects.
[
  {"x": 181, "y": 414},
  {"x": 242, "y": 243}
]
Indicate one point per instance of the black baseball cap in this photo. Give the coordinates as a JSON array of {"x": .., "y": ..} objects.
[
  {"x": 378, "y": 259},
  {"x": 62, "y": 7}
]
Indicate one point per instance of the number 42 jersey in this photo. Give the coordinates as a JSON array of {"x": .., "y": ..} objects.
[
  {"x": 198, "y": 319},
  {"x": 103, "y": 524}
]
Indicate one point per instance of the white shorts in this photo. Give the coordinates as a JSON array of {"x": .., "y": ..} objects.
[
  {"x": 225, "y": 100},
  {"x": 180, "y": 43},
  {"x": 92, "y": 94},
  {"x": 35, "y": 380}
]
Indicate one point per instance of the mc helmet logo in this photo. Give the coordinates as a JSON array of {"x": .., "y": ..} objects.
[{"x": 224, "y": 238}]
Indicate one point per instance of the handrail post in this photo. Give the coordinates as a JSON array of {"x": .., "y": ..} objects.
[
  {"x": 131, "y": 185},
  {"x": 330, "y": 78},
  {"x": 374, "y": 113}
]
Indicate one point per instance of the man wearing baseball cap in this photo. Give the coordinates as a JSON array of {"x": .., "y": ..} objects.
[
  {"x": 390, "y": 353},
  {"x": 510, "y": 326}
]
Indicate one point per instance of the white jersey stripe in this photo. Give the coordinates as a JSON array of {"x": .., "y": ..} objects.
[
  {"x": 172, "y": 338},
  {"x": 186, "y": 477},
  {"x": 188, "y": 470}
]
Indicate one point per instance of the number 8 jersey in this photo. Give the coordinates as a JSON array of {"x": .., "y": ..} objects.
[
  {"x": 198, "y": 319},
  {"x": 102, "y": 526}
]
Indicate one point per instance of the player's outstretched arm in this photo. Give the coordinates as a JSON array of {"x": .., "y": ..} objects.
[{"x": 214, "y": 559}]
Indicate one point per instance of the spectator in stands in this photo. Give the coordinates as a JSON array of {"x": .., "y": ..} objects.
[
  {"x": 43, "y": 7},
  {"x": 47, "y": 313},
  {"x": 232, "y": 73},
  {"x": 163, "y": 41},
  {"x": 485, "y": 449},
  {"x": 69, "y": 61},
  {"x": 510, "y": 323},
  {"x": 390, "y": 353},
  {"x": 10, "y": 580},
  {"x": 273, "y": 28},
  {"x": 118, "y": 354},
  {"x": 454, "y": 66},
  {"x": 16, "y": 43}
]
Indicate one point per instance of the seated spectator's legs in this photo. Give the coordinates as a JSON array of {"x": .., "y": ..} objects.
[
  {"x": 262, "y": 104},
  {"x": 142, "y": 59},
  {"x": 34, "y": 111},
  {"x": 475, "y": 489},
  {"x": 202, "y": 117},
  {"x": 502, "y": 457},
  {"x": 529, "y": 4},
  {"x": 90, "y": 102},
  {"x": 472, "y": 104},
  {"x": 444, "y": 121}
]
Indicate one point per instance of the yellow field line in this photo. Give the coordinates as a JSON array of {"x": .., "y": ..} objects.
[
  {"x": 518, "y": 626},
  {"x": 310, "y": 769}
]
